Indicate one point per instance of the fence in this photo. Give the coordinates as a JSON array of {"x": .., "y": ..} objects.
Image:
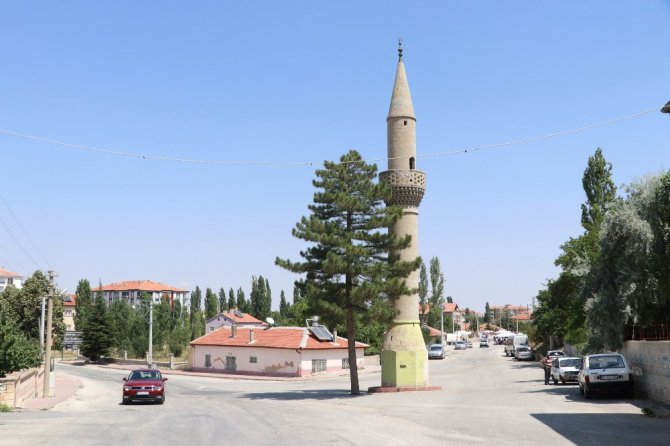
[
  {"x": 659, "y": 332},
  {"x": 20, "y": 386}
]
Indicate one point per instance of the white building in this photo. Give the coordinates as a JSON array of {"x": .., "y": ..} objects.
[
  {"x": 278, "y": 351},
  {"x": 227, "y": 319},
  {"x": 8, "y": 278},
  {"x": 132, "y": 290}
]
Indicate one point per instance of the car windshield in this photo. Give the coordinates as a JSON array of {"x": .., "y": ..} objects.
[
  {"x": 571, "y": 362},
  {"x": 523, "y": 349},
  {"x": 436, "y": 347},
  {"x": 137, "y": 374},
  {"x": 601, "y": 362}
]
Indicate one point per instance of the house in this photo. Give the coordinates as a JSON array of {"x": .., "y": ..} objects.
[
  {"x": 235, "y": 317},
  {"x": 69, "y": 304},
  {"x": 8, "y": 278},
  {"x": 132, "y": 290},
  {"x": 276, "y": 351},
  {"x": 434, "y": 336}
]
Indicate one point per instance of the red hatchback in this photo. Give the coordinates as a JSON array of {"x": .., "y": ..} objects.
[{"x": 144, "y": 385}]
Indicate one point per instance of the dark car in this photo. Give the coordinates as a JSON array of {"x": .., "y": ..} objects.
[{"x": 144, "y": 385}]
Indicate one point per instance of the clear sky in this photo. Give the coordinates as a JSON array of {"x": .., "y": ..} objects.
[{"x": 305, "y": 82}]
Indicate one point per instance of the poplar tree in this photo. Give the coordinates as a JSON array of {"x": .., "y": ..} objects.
[
  {"x": 241, "y": 301},
  {"x": 211, "y": 304},
  {"x": 231, "y": 299},
  {"x": 423, "y": 294},
  {"x": 284, "y": 307},
  {"x": 349, "y": 273},
  {"x": 223, "y": 303},
  {"x": 84, "y": 300}
]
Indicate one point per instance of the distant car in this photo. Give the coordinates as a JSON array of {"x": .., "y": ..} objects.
[
  {"x": 483, "y": 343},
  {"x": 144, "y": 385},
  {"x": 523, "y": 352},
  {"x": 565, "y": 369},
  {"x": 436, "y": 351},
  {"x": 460, "y": 345},
  {"x": 605, "y": 372}
]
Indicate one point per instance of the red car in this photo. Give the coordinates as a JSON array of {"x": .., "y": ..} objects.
[{"x": 144, "y": 385}]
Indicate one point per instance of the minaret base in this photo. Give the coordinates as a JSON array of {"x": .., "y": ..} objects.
[{"x": 404, "y": 359}]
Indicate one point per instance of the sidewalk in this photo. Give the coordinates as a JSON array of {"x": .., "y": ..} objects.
[{"x": 66, "y": 388}]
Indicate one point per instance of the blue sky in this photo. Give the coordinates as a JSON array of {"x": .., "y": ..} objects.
[{"x": 306, "y": 82}]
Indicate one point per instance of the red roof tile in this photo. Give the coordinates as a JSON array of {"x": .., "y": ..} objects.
[
  {"x": 277, "y": 337},
  {"x": 138, "y": 285},
  {"x": 7, "y": 273},
  {"x": 245, "y": 318},
  {"x": 69, "y": 300}
]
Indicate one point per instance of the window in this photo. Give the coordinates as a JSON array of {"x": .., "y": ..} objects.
[
  {"x": 404, "y": 122},
  {"x": 208, "y": 360},
  {"x": 211, "y": 328},
  {"x": 412, "y": 163},
  {"x": 253, "y": 359},
  {"x": 345, "y": 363},
  {"x": 318, "y": 365}
]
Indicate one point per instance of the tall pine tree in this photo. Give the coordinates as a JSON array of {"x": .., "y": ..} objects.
[
  {"x": 348, "y": 271},
  {"x": 97, "y": 336}
]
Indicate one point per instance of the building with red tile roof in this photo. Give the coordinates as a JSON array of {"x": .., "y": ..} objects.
[
  {"x": 8, "y": 278},
  {"x": 132, "y": 290},
  {"x": 69, "y": 304},
  {"x": 228, "y": 318},
  {"x": 276, "y": 351}
]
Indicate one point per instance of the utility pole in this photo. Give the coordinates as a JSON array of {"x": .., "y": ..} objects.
[
  {"x": 47, "y": 348},
  {"x": 42, "y": 324},
  {"x": 442, "y": 323},
  {"x": 151, "y": 328}
]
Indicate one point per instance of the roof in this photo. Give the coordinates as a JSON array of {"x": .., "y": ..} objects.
[
  {"x": 138, "y": 285},
  {"x": 434, "y": 331},
  {"x": 70, "y": 300},
  {"x": 401, "y": 101},
  {"x": 8, "y": 273},
  {"x": 243, "y": 318},
  {"x": 521, "y": 317},
  {"x": 276, "y": 337},
  {"x": 450, "y": 307}
]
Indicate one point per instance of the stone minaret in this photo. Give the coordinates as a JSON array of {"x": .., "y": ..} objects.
[{"x": 404, "y": 356}]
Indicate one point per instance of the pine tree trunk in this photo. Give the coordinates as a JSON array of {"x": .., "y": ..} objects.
[{"x": 351, "y": 344}]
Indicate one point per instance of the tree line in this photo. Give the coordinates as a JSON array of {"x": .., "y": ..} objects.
[{"x": 615, "y": 276}]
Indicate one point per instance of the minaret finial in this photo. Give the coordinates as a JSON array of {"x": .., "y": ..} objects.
[{"x": 399, "y": 48}]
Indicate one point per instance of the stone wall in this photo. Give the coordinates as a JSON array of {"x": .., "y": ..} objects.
[
  {"x": 650, "y": 363},
  {"x": 20, "y": 386}
]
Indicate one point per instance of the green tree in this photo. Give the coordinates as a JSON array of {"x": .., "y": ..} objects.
[
  {"x": 211, "y": 304},
  {"x": 423, "y": 294},
  {"x": 17, "y": 350},
  {"x": 196, "y": 300},
  {"x": 97, "y": 335},
  {"x": 487, "y": 313},
  {"x": 231, "y": 299},
  {"x": 436, "y": 298},
  {"x": 83, "y": 302},
  {"x": 348, "y": 271},
  {"x": 223, "y": 303},
  {"x": 241, "y": 302},
  {"x": 284, "y": 307},
  {"x": 120, "y": 317}
]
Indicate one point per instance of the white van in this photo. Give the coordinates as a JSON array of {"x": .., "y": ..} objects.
[{"x": 515, "y": 341}]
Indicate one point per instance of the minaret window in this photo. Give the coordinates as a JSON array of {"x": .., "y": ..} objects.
[
  {"x": 412, "y": 164},
  {"x": 404, "y": 122}
]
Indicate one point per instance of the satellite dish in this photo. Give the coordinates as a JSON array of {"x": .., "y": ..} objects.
[{"x": 269, "y": 320}]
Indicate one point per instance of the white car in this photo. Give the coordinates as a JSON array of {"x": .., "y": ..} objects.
[
  {"x": 523, "y": 352},
  {"x": 605, "y": 372},
  {"x": 436, "y": 351},
  {"x": 565, "y": 369},
  {"x": 460, "y": 345}
]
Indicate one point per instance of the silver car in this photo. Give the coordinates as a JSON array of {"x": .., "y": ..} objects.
[
  {"x": 436, "y": 351},
  {"x": 523, "y": 352},
  {"x": 565, "y": 369},
  {"x": 460, "y": 345}
]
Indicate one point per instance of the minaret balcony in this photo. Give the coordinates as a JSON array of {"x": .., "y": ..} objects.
[{"x": 408, "y": 186}]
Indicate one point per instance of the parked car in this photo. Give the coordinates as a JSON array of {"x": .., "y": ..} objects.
[
  {"x": 605, "y": 372},
  {"x": 523, "y": 352},
  {"x": 436, "y": 351},
  {"x": 468, "y": 344},
  {"x": 483, "y": 343},
  {"x": 460, "y": 345},
  {"x": 144, "y": 385},
  {"x": 513, "y": 342},
  {"x": 565, "y": 369}
]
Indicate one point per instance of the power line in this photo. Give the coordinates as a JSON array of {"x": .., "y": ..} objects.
[
  {"x": 11, "y": 233},
  {"x": 24, "y": 232},
  {"x": 143, "y": 156}
]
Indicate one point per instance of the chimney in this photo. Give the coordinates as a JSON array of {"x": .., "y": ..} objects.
[
  {"x": 251, "y": 335},
  {"x": 335, "y": 335},
  {"x": 234, "y": 328}
]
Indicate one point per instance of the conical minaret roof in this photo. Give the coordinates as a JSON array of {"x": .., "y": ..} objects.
[{"x": 401, "y": 100}]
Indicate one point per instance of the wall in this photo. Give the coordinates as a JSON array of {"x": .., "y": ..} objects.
[
  {"x": 333, "y": 359},
  {"x": 650, "y": 362},
  {"x": 20, "y": 386},
  {"x": 270, "y": 361}
]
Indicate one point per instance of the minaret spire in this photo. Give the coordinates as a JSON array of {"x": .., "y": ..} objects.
[{"x": 399, "y": 49}]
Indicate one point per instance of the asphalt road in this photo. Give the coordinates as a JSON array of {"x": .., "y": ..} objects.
[{"x": 486, "y": 399}]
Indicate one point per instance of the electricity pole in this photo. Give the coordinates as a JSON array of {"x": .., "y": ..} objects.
[
  {"x": 151, "y": 327},
  {"x": 441, "y": 323},
  {"x": 47, "y": 348}
]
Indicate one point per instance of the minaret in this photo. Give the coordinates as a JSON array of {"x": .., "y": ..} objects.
[{"x": 404, "y": 356}]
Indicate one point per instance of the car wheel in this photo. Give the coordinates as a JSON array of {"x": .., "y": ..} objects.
[
  {"x": 581, "y": 390},
  {"x": 587, "y": 394},
  {"x": 562, "y": 381},
  {"x": 555, "y": 380}
]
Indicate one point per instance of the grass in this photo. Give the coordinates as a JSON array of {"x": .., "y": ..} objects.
[{"x": 5, "y": 408}]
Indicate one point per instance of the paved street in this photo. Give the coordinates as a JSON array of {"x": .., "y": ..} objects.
[{"x": 486, "y": 399}]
